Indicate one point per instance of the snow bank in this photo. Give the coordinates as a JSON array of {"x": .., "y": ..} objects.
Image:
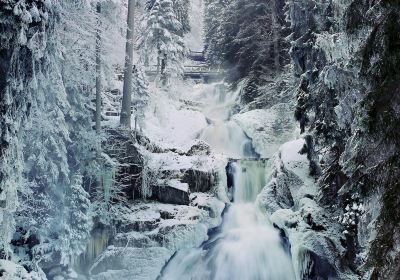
[
  {"x": 174, "y": 161},
  {"x": 169, "y": 122},
  {"x": 132, "y": 263},
  {"x": 13, "y": 271},
  {"x": 268, "y": 128}
]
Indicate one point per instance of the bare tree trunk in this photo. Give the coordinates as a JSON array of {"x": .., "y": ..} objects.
[
  {"x": 127, "y": 90},
  {"x": 98, "y": 71}
]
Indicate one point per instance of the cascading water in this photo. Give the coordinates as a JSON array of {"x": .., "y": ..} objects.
[
  {"x": 246, "y": 246},
  {"x": 223, "y": 134}
]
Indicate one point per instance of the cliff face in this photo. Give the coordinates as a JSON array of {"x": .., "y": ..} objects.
[{"x": 346, "y": 56}]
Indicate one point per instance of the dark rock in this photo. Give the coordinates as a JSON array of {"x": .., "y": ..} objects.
[
  {"x": 166, "y": 215},
  {"x": 200, "y": 148},
  {"x": 199, "y": 181},
  {"x": 140, "y": 226},
  {"x": 120, "y": 145},
  {"x": 318, "y": 267},
  {"x": 169, "y": 194},
  {"x": 314, "y": 226}
]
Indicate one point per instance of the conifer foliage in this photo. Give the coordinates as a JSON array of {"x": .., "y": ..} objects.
[
  {"x": 161, "y": 41},
  {"x": 246, "y": 37}
]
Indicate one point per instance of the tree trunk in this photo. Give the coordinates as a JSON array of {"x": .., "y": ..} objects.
[
  {"x": 98, "y": 71},
  {"x": 127, "y": 90}
]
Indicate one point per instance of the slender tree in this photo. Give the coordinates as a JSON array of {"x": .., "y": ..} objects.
[
  {"x": 98, "y": 70},
  {"x": 127, "y": 89}
]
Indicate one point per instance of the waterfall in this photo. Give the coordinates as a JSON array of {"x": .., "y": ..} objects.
[
  {"x": 224, "y": 135},
  {"x": 246, "y": 246}
]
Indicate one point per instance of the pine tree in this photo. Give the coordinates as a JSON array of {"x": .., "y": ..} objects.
[
  {"x": 140, "y": 99},
  {"x": 214, "y": 17},
  {"x": 162, "y": 39},
  {"x": 245, "y": 37},
  {"x": 181, "y": 8},
  {"x": 78, "y": 221}
]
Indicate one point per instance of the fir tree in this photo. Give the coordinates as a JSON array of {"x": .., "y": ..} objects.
[
  {"x": 161, "y": 41},
  {"x": 140, "y": 99}
]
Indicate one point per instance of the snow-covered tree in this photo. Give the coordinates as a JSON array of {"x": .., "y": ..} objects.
[
  {"x": 246, "y": 37},
  {"x": 140, "y": 97},
  {"x": 213, "y": 32},
  {"x": 78, "y": 220},
  {"x": 161, "y": 40},
  {"x": 98, "y": 70},
  {"x": 25, "y": 28},
  {"x": 182, "y": 8},
  {"x": 60, "y": 146}
]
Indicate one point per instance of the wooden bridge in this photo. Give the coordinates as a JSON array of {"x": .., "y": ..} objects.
[{"x": 201, "y": 72}]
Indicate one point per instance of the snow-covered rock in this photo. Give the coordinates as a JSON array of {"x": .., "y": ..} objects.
[
  {"x": 130, "y": 263},
  {"x": 268, "y": 128},
  {"x": 288, "y": 178},
  {"x": 151, "y": 232},
  {"x": 171, "y": 191},
  {"x": 289, "y": 197}
]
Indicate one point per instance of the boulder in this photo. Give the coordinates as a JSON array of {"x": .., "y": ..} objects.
[
  {"x": 172, "y": 191},
  {"x": 200, "y": 148},
  {"x": 199, "y": 181}
]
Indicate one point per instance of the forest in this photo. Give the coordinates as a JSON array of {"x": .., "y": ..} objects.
[{"x": 200, "y": 139}]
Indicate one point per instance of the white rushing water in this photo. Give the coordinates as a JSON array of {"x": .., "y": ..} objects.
[
  {"x": 246, "y": 246},
  {"x": 223, "y": 134}
]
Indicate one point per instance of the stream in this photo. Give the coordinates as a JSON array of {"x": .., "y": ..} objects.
[{"x": 246, "y": 246}]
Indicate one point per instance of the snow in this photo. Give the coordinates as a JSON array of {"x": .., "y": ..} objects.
[
  {"x": 135, "y": 263},
  {"x": 176, "y": 184},
  {"x": 213, "y": 205},
  {"x": 13, "y": 271},
  {"x": 288, "y": 178},
  {"x": 289, "y": 151},
  {"x": 174, "y": 161},
  {"x": 289, "y": 174},
  {"x": 165, "y": 229},
  {"x": 304, "y": 240},
  {"x": 268, "y": 128},
  {"x": 169, "y": 124}
]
